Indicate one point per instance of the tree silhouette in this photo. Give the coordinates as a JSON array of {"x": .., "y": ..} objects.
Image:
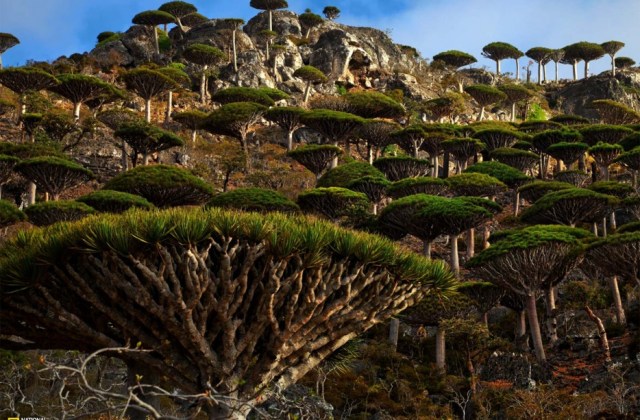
[
  {"x": 498, "y": 51},
  {"x": 455, "y": 58},
  {"x": 6, "y": 41},
  {"x": 311, "y": 75},
  {"x": 567, "y": 152},
  {"x": 331, "y": 12},
  {"x": 153, "y": 18},
  {"x": 52, "y": 174},
  {"x": 247, "y": 256},
  {"x": 204, "y": 56},
  {"x": 612, "y": 48},
  {"x": 484, "y": 95},
  {"x": 526, "y": 263},
  {"x": 79, "y": 88},
  {"x": 269, "y": 6},
  {"x": 235, "y": 120},
  {"x": 462, "y": 149},
  {"x": 148, "y": 84},
  {"x": 410, "y": 139},
  {"x": 146, "y": 139},
  {"x": 624, "y": 63}
]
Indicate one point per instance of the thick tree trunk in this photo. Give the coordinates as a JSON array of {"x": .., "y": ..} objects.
[
  {"x": 455, "y": 260},
  {"x": 147, "y": 111},
  {"x": 32, "y": 193},
  {"x": 604, "y": 169},
  {"x": 394, "y": 332},
  {"x": 270, "y": 20},
  {"x": 471, "y": 243},
  {"x": 617, "y": 300},
  {"x": 235, "y": 51},
  {"x": 552, "y": 323},
  {"x": 426, "y": 250},
  {"x": 556, "y": 66},
  {"x": 481, "y": 115},
  {"x": 124, "y": 159},
  {"x": 334, "y": 161},
  {"x": 517, "y": 69},
  {"x": 155, "y": 39},
  {"x": 145, "y": 159},
  {"x": 307, "y": 91},
  {"x": 613, "y": 224},
  {"x": 290, "y": 140},
  {"x": 534, "y": 327},
  {"x": 203, "y": 86},
  {"x": 602, "y": 332},
  {"x": 613, "y": 65},
  {"x": 497, "y": 67},
  {"x": 575, "y": 70},
  {"x": 472, "y": 375},
  {"x": 516, "y": 204},
  {"x": 539, "y": 72},
  {"x": 486, "y": 233},
  {"x": 586, "y": 69},
  {"x": 521, "y": 324},
  {"x": 194, "y": 136},
  {"x": 513, "y": 112},
  {"x": 167, "y": 115},
  {"x": 440, "y": 349},
  {"x": 544, "y": 73},
  {"x": 76, "y": 112}
]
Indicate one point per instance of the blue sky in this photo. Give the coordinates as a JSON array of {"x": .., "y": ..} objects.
[{"x": 51, "y": 28}]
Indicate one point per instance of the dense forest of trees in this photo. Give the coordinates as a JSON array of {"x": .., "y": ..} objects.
[{"x": 255, "y": 251}]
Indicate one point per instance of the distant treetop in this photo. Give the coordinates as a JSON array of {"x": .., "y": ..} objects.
[
  {"x": 331, "y": 12},
  {"x": 455, "y": 58}
]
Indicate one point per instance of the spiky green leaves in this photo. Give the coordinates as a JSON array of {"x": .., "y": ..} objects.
[
  {"x": 164, "y": 186},
  {"x": 500, "y": 50},
  {"x": 254, "y": 199},
  {"x": 371, "y": 104},
  {"x": 420, "y": 185},
  {"x": 310, "y": 74},
  {"x": 287, "y": 117},
  {"x": 178, "y": 9},
  {"x": 269, "y": 4},
  {"x": 10, "y": 214},
  {"x": 475, "y": 184},
  {"x": 533, "y": 191},
  {"x": 343, "y": 175},
  {"x": 521, "y": 160}
]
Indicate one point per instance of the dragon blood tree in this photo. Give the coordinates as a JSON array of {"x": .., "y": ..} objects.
[
  {"x": 52, "y": 174},
  {"x": 288, "y": 118},
  {"x": 418, "y": 185},
  {"x": 526, "y": 263},
  {"x": 402, "y": 167},
  {"x": 315, "y": 157},
  {"x": 6, "y": 41},
  {"x": 231, "y": 304},
  {"x": 254, "y": 199},
  {"x": 376, "y": 135}
]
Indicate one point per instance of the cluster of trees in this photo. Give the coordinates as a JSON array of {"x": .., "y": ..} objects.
[{"x": 229, "y": 303}]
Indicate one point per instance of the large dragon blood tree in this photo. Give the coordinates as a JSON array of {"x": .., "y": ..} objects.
[{"x": 229, "y": 303}]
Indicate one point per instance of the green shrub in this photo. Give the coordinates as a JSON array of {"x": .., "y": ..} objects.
[
  {"x": 343, "y": 175},
  {"x": 114, "y": 201},
  {"x": 50, "y": 212},
  {"x": 9, "y": 213},
  {"x": 253, "y": 199}
]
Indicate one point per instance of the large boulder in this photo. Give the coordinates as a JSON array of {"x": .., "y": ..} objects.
[
  {"x": 285, "y": 23},
  {"x": 217, "y": 33},
  {"x": 576, "y": 97}
]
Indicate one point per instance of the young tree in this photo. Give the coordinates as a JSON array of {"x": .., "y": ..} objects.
[
  {"x": 52, "y": 174},
  {"x": 151, "y": 19},
  {"x": 315, "y": 157},
  {"x": 331, "y": 12},
  {"x": 235, "y": 120},
  {"x": 79, "y": 88},
  {"x": 401, "y": 167},
  {"x": 162, "y": 185},
  {"x": 176, "y": 73},
  {"x": 287, "y": 118},
  {"x": 485, "y": 296},
  {"x": 310, "y": 20},
  {"x": 526, "y": 263},
  {"x": 194, "y": 19},
  {"x": 484, "y": 95},
  {"x": 447, "y": 106},
  {"x": 569, "y": 207},
  {"x": 178, "y": 9},
  {"x": 24, "y": 79},
  {"x": 148, "y": 84},
  {"x": 6, "y": 41},
  {"x": 311, "y": 75},
  {"x": 236, "y": 24},
  {"x": 498, "y": 51},
  {"x": 107, "y": 201},
  {"x": 269, "y": 6},
  {"x": 612, "y": 48},
  {"x": 146, "y": 139},
  {"x": 243, "y": 270},
  {"x": 204, "y": 56},
  {"x": 541, "y": 56},
  {"x": 604, "y": 155},
  {"x": 254, "y": 199},
  {"x": 268, "y": 37}
]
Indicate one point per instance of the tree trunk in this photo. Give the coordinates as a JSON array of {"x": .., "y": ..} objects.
[
  {"x": 552, "y": 323},
  {"x": 472, "y": 375},
  {"x": 513, "y": 112},
  {"x": 516, "y": 205},
  {"x": 440, "y": 349},
  {"x": 471, "y": 243},
  {"x": 604, "y": 169},
  {"x": 521, "y": 325},
  {"x": 167, "y": 116},
  {"x": 604, "y": 227},
  {"x": 32, "y": 193},
  {"x": 586, "y": 69},
  {"x": 145, "y": 159},
  {"x": 602, "y": 332},
  {"x": 0, "y": 61},
  {"x": 76, "y": 112},
  {"x": 235, "y": 51},
  {"x": 539, "y": 72},
  {"x": 370, "y": 157},
  {"x": 124, "y": 160},
  {"x": 497, "y": 67},
  {"x": 455, "y": 260},
  {"x": 394, "y": 332},
  {"x": 534, "y": 327},
  {"x": 426, "y": 250},
  {"x": 617, "y": 300},
  {"x": 290, "y": 140},
  {"x": 194, "y": 136},
  {"x": 517, "y": 69},
  {"x": 613, "y": 65},
  {"x": 203, "y": 86},
  {"x": 147, "y": 111},
  {"x": 556, "y": 66},
  {"x": 155, "y": 39},
  {"x": 445, "y": 165},
  {"x": 307, "y": 91},
  {"x": 334, "y": 161},
  {"x": 485, "y": 319},
  {"x": 613, "y": 224},
  {"x": 481, "y": 115},
  {"x": 270, "y": 20},
  {"x": 575, "y": 70},
  {"x": 486, "y": 233}
]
